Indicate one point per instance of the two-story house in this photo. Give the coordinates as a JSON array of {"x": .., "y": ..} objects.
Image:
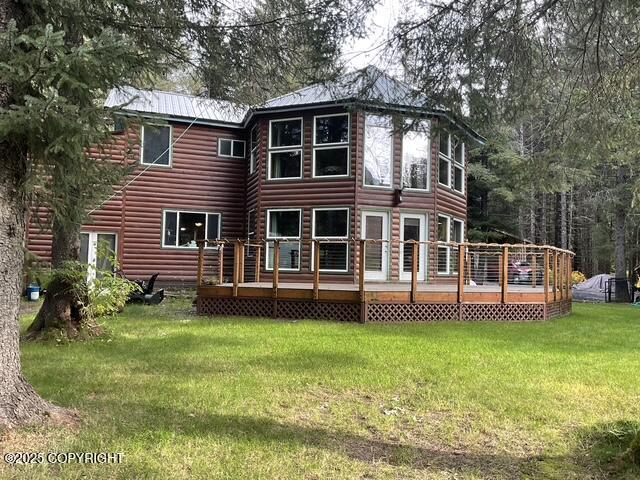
[{"x": 364, "y": 156}]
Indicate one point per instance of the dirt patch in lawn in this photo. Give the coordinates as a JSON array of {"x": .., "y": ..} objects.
[{"x": 392, "y": 432}]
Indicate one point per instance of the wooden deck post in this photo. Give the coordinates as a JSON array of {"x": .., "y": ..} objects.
[
  {"x": 567, "y": 275},
  {"x": 200, "y": 262},
  {"x": 414, "y": 271},
  {"x": 361, "y": 269},
  {"x": 555, "y": 276},
  {"x": 316, "y": 269},
  {"x": 276, "y": 268},
  {"x": 571, "y": 277},
  {"x": 461, "y": 262},
  {"x": 534, "y": 270},
  {"x": 563, "y": 275},
  {"x": 546, "y": 275},
  {"x": 258, "y": 259},
  {"x": 236, "y": 268},
  {"x": 240, "y": 261},
  {"x": 221, "y": 263},
  {"x": 361, "y": 285},
  {"x": 505, "y": 274}
]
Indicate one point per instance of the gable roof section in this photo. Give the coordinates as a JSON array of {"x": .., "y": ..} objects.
[{"x": 170, "y": 104}]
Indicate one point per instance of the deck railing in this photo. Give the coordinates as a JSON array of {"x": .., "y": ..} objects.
[{"x": 464, "y": 267}]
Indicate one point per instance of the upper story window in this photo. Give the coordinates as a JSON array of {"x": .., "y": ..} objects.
[
  {"x": 451, "y": 161},
  {"x": 378, "y": 150},
  {"x": 458, "y": 165},
  {"x": 285, "y": 148},
  {"x": 255, "y": 148},
  {"x": 182, "y": 229},
  {"x": 228, "y": 147},
  {"x": 156, "y": 145},
  {"x": 416, "y": 155},
  {"x": 331, "y": 145}
]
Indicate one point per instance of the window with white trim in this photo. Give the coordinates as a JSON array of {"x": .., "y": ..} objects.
[
  {"x": 183, "y": 229},
  {"x": 331, "y": 145},
  {"x": 331, "y": 224},
  {"x": 450, "y": 230},
  {"x": 156, "y": 145},
  {"x": 228, "y": 147},
  {"x": 285, "y": 148},
  {"x": 284, "y": 225},
  {"x": 444, "y": 159},
  {"x": 378, "y": 150},
  {"x": 255, "y": 148},
  {"x": 458, "y": 165},
  {"x": 416, "y": 155}
]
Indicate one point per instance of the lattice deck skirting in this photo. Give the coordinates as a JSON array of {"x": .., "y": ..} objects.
[{"x": 380, "y": 312}]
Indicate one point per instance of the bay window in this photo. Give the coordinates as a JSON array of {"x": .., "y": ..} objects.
[
  {"x": 182, "y": 229},
  {"x": 378, "y": 150},
  {"x": 331, "y": 145},
  {"x": 285, "y": 148},
  {"x": 331, "y": 224},
  {"x": 284, "y": 225},
  {"x": 416, "y": 152}
]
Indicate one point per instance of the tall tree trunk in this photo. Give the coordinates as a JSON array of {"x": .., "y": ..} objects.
[
  {"x": 19, "y": 403},
  {"x": 62, "y": 310},
  {"x": 564, "y": 243},
  {"x": 620, "y": 214}
]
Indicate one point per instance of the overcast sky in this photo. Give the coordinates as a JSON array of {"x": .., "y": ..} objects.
[{"x": 367, "y": 51}]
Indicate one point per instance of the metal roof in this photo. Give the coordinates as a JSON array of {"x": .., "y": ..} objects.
[
  {"x": 175, "y": 105},
  {"x": 369, "y": 85}
]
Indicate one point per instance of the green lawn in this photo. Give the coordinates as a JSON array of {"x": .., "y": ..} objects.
[{"x": 188, "y": 397}]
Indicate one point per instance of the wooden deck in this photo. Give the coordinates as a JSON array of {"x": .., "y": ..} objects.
[{"x": 459, "y": 298}]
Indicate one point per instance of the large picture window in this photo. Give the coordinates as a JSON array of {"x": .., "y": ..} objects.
[
  {"x": 378, "y": 150},
  {"x": 450, "y": 230},
  {"x": 331, "y": 145},
  {"x": 182, "y": 229},
  {"x": 284, "y": 225},
  {"x": 332, "y": 224},
  {"x": 156, "y": 145},
  {"x": 285, "y": 148},
  {"x": 416, "y": 153}
]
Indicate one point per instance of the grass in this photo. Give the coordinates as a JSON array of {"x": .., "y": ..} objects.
[{"x": 188, "y": 397}]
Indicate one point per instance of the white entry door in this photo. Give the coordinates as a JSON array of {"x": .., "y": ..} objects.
[
  {"x": 375, "y": 226},
  {"x": 412, "y": 227},
  {"x": 96, "y": 249}
]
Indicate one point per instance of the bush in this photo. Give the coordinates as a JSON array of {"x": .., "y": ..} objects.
[
  {"x": 577, "y": 277},
  {"x": 98, "y": 292}
]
